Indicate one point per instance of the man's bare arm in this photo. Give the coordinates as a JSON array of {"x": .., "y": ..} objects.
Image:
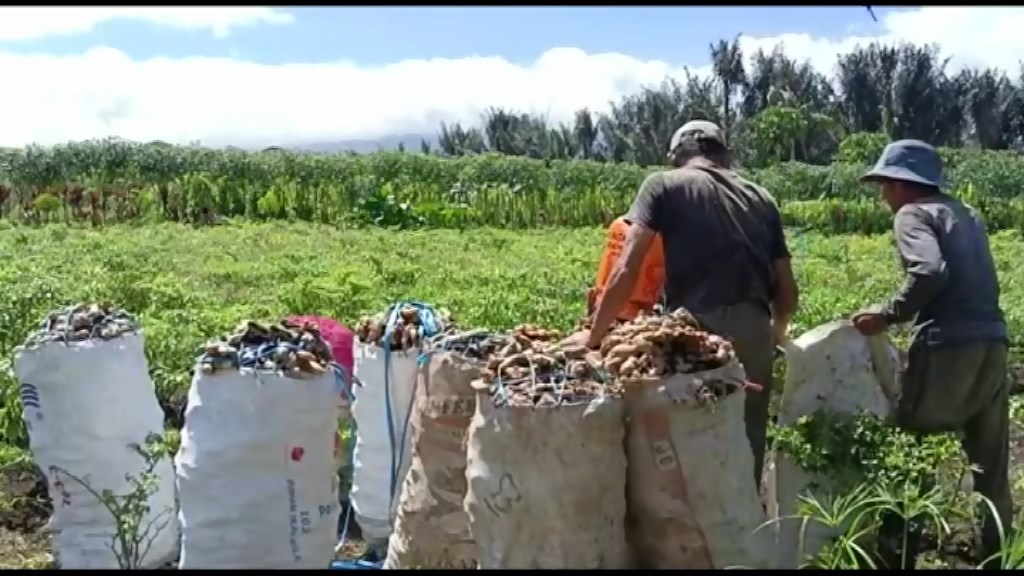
[
  {"x": 623, "y": 278},
  {"x": 787, "y": 297}
]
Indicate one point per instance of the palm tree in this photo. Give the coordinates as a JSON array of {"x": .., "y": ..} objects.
[{"x": 727, "y": 61}]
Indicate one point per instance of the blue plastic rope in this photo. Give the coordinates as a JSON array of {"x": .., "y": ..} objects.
[
  {"x": 254, "y": 356},
  {"x": 343, "y": 537},
  {"x": 431, "y": 327}
]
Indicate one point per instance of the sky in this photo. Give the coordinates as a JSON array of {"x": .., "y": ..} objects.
[{"x": 258, "y": 76}]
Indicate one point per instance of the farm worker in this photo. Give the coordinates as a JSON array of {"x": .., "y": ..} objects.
[
  {"x": 726, "y": 259},
  {"x": 647, "y": 290},
  {"x": 955, "y": 377}
]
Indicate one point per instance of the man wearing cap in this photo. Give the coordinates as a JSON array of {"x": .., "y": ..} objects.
[
  {"x": 955, "y": 377},
  {"x": 726, "y": 259}
]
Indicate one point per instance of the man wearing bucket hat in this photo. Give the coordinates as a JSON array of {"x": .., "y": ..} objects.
[
  {"x": 726, "y": 259},
  {"x": 955, "y": 377}
]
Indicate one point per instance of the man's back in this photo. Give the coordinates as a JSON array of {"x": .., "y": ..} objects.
[
  {"x": 721, "y": 235},
  {"x": 967, "y": 306}
]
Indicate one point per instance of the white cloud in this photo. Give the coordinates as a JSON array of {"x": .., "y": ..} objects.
[
  {"x": 982, "y": 36},
  {"x": 221, "y": 100},
  {"x": 32, "y": 23}
]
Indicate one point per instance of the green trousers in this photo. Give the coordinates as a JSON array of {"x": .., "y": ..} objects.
[
  {"x": 963, "y": 388},
  {"x": 749, "y": 327}
]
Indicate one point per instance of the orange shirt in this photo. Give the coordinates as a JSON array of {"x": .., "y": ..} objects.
[{"x": 652, "y": 272}]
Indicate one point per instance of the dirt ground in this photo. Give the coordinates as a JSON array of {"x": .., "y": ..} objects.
[{"x": 25, "y": 509}]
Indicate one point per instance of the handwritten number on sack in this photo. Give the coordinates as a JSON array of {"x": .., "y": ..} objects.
[
  {"x": 664, "y": 456},
  {"x": 508, "y": 494}
]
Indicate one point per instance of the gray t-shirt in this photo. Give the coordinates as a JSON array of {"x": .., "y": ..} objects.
[
  {"x": 951, "y": 284},
  {"x": 721, "y": 234}
]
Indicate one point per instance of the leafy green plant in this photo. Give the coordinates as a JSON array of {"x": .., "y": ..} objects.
[
  {"x": 134, "y": 529},
  {"x": 119, "y": 181},
  {"x": 863, "y": 448},
  {"x": 857, "y": 517}
]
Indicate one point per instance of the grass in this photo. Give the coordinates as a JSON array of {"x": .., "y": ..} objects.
[{"x": 189, "y": 284}]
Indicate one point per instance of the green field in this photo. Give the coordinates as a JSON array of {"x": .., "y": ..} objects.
[
  {"x": 189, "y": 284},
  {"x": 110, "y": 182},
  {"x": 502, "y": 224}
]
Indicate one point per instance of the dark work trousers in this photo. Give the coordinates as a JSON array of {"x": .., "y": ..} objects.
[
  {"x": 960, "y": 388},
  {"x": 749, "y": 327}
]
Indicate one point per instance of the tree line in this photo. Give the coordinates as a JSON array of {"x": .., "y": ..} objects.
[{"x": 775, "y": 109}]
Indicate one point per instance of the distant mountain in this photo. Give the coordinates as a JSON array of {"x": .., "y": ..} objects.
[{"x": 411, "y": 142}]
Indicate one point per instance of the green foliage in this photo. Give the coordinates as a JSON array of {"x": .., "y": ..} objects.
[
  {"x": 856, "y": 516},
  {"x": 864, "y": 448},
  {"x": 861, "y": 148},
  {"x": 135, "y": 531},
  {"x": 875, "y": 469},
  {"x": 189, "y": 284},
  {"x": 109, "y": 181}
]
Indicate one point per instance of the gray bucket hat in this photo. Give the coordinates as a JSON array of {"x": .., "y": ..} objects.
[{"x": 909, "y": 161}]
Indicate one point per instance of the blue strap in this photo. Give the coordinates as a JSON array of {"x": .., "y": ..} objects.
[
  {"x": 342, "y": 382},
  {"x": 430, "y": 328},
  {"x": 358, "y": 564}
]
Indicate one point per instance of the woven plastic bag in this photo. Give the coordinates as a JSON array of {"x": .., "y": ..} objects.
[
  {"x": 385, "y": 391},
  {"x": 257, "y": 482},
  {"x": 384, "y": 394},
  {"x": 547, "y": 485},
  {"x": 693, "y": 503},
  {"x": 432, "y": 527},
  {"x": 84, "y": 404},
  {"x": 832, "y": 367}
]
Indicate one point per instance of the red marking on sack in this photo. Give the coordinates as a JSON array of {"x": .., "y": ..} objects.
[
  {"x": 297, "y": 453},
  {"x": 659, "y": 439}
]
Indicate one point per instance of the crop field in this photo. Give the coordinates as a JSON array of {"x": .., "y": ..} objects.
[
  {"x": 188, "y": 284},
  {"x": 107, "y": 182},
  {"x": 501, "y": 222}
]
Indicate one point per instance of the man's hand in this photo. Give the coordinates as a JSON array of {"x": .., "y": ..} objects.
[
  {"x": 576, "y": 339},
  {"x": 869, "y": 323}
]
